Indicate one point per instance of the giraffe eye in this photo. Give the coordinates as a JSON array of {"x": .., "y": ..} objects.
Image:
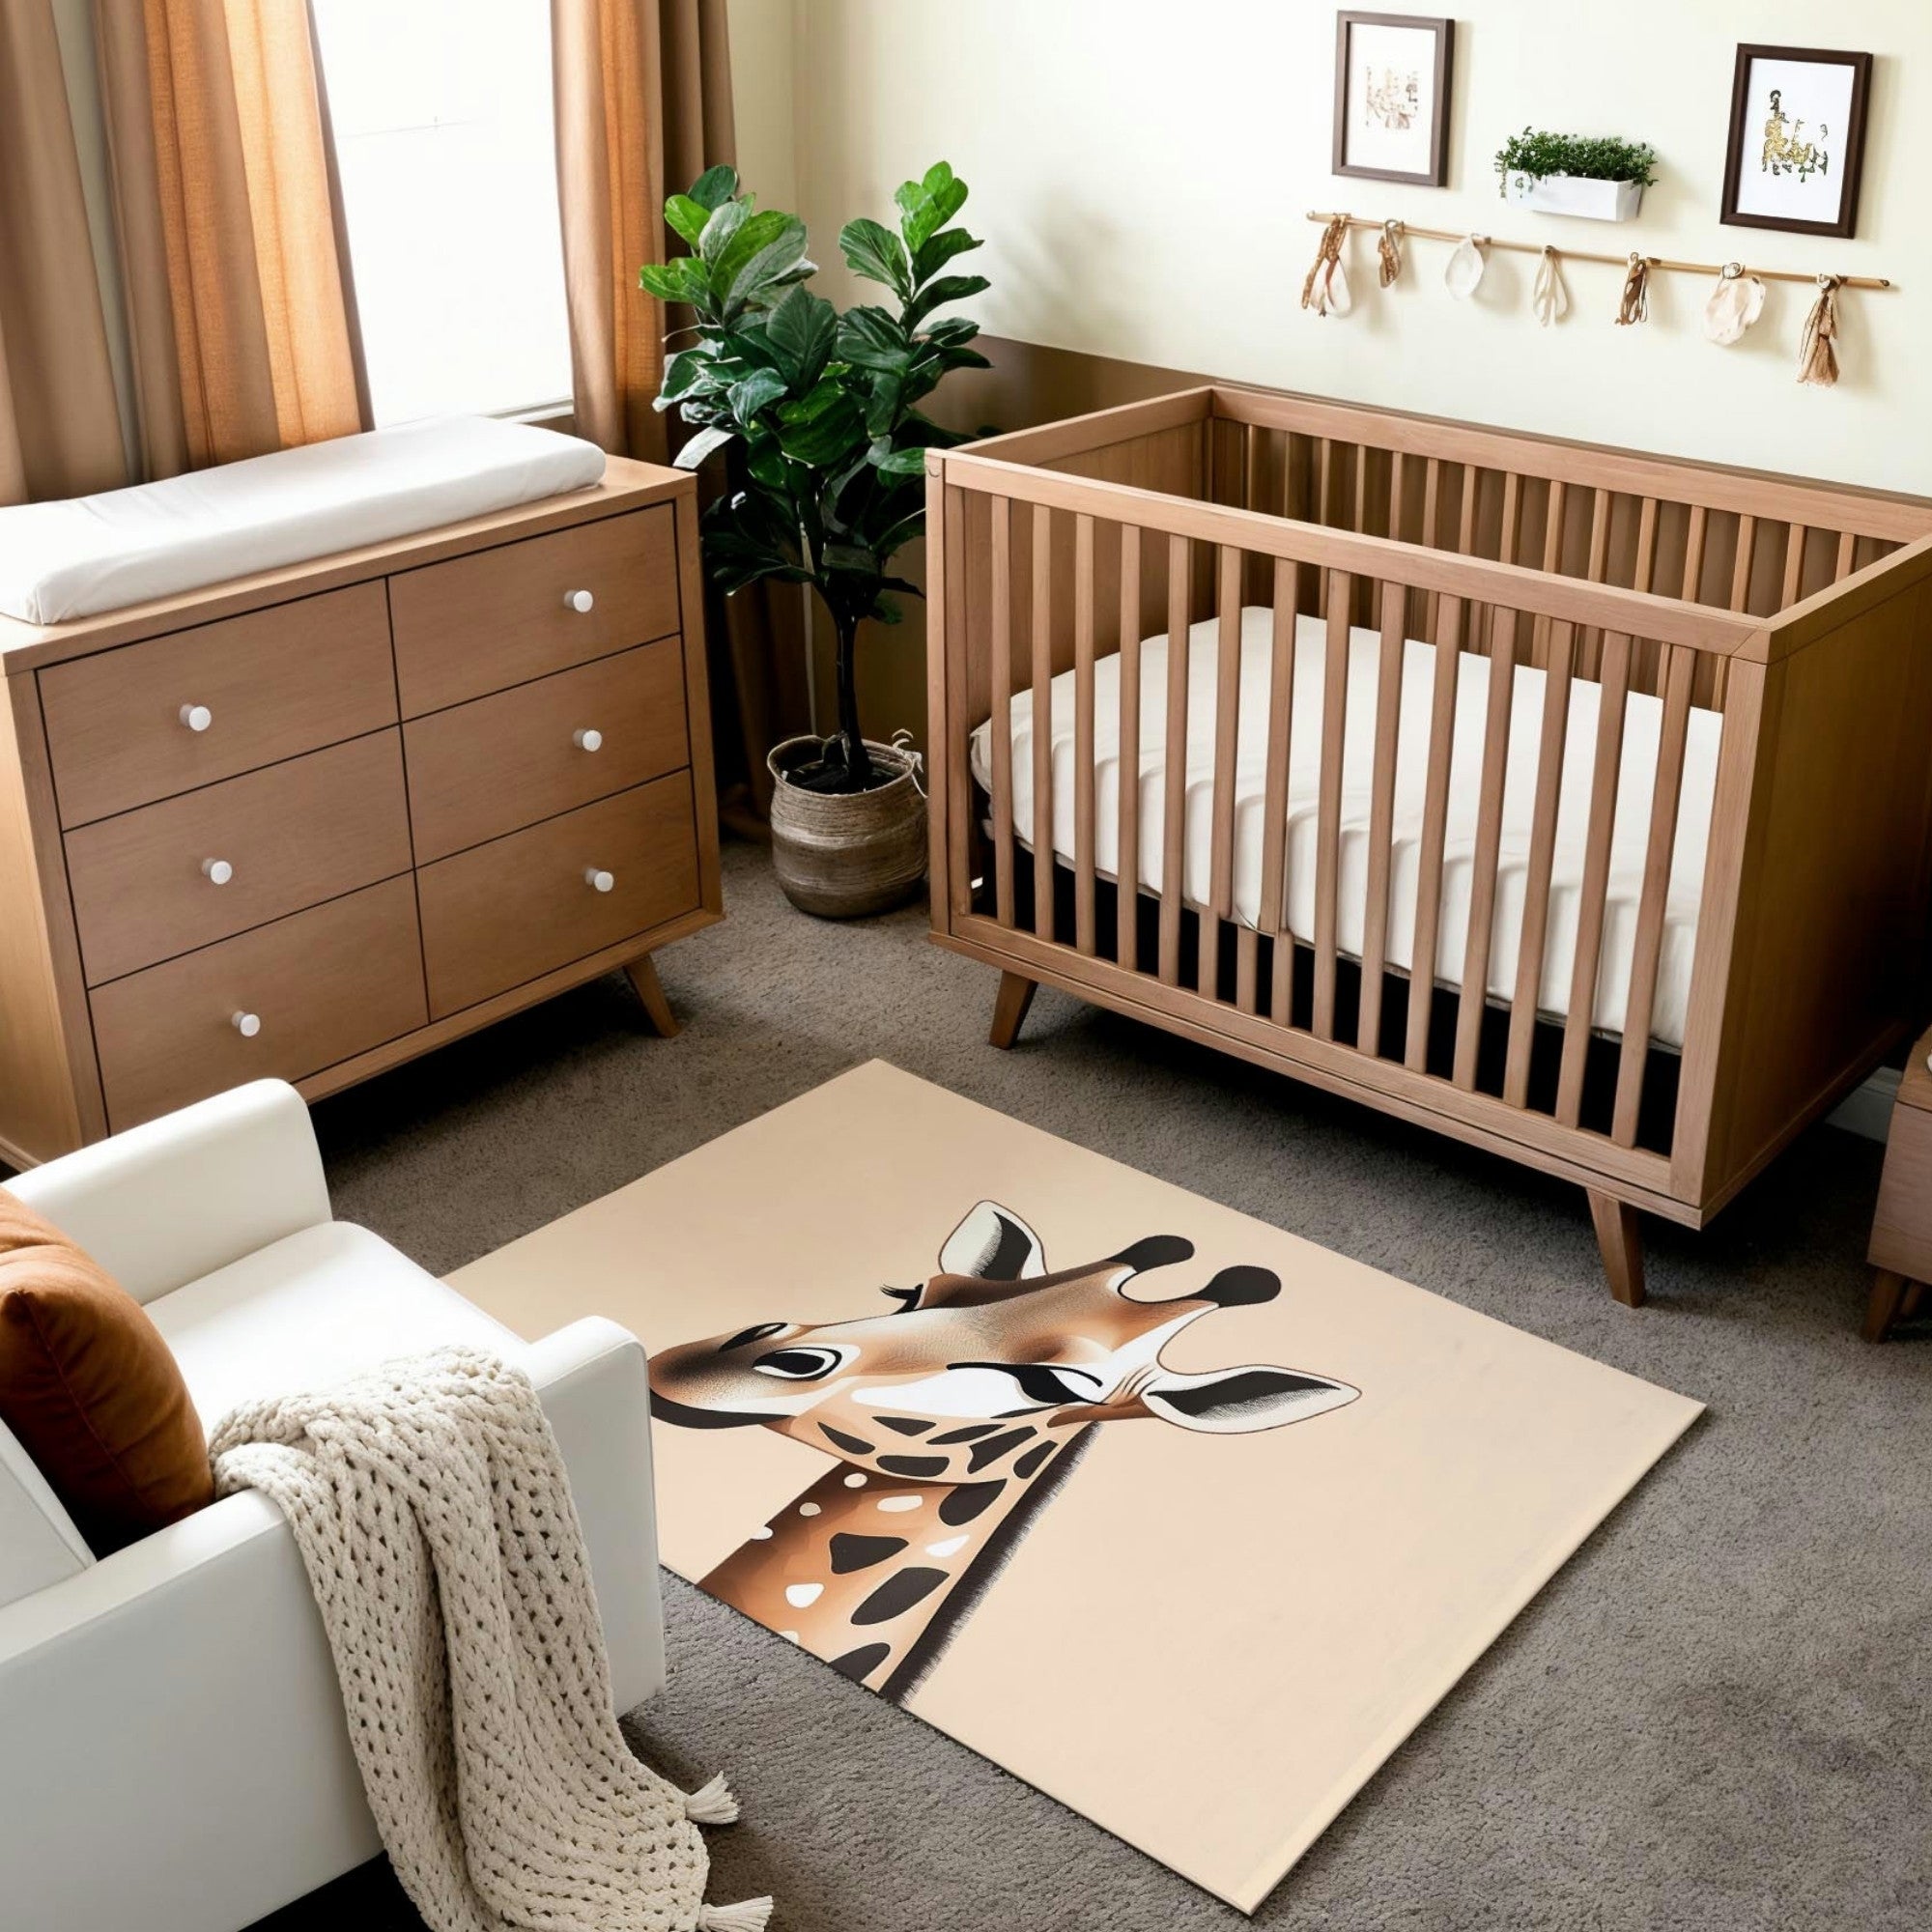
[
  {"x": 744, "y": 1337},
  {"x": 806, "y": 1364},
  {"x": 1043, "y": 1384}
]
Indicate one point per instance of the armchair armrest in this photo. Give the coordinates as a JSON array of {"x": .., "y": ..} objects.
[
  {"x": 230, "y": 1786},
  {"x": 175, "y": 1198}
]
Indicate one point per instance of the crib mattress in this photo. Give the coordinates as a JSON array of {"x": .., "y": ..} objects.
[{"x": 1643, "y": 726}]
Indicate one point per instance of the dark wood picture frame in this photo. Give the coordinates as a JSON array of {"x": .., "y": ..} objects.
[
  {"x": 1437, "y": 173},
  {"x": 1852, "y": 169}
]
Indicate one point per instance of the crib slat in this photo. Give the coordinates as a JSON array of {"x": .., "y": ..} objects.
[
  {"x": 1534, "y": 931},
  {"x": 1382, "y": 816},
  {"x": 1647, "y": 948},
  {"x": 1614, "y": 688},
  {"x": 1552, "y": 557},
  {"x": 1848, "y": 550},
  {"x": 1434, "y": 823},
  {"x": 1044, "y": 867},
  {"x": 1001, "y": 512},
  {"x": 1646, "y": 545},
  {"x": 1127, "y": 873},
  {"x": 1741, "y": 569},
  {"x": 1323, "y": 472},
  {"x": 1360, "y": 521},
  {"x": 1227, "y": 738},
  {"x": 1174, "y": 840},
  {"x": 1274, "y": 811},
  {"x": 1084, "y": 937},
  {"x": 1694, "y": 554},
  {"x": 1395, "y": 495},
  {"x": 1431, "y": 536},
  {"x": 1796, "y": 536},
  {"x": 1474, "y": 998},
  {"x": 1328, "y": 806}
]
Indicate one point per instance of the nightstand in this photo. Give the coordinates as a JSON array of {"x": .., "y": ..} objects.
[{"x": 1901, "y": 1243}]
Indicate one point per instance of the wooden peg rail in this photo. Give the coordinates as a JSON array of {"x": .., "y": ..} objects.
[{"x": 1658, "y": 263}]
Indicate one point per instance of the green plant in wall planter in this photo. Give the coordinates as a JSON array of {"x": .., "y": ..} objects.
[
  {"x": 817, "y": 413},
  {"x": 1600, "y": 177}
]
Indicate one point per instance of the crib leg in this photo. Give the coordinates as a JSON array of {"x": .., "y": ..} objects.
[
  {"x": 1010, "y": 1008},
  {"x": 1622, "y": 1246}
]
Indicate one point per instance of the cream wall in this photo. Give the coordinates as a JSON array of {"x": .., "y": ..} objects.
[{"x": 1141, "y": 168}]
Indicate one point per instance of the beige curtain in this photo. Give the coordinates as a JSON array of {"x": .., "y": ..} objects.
[
  {"x": 238, "y": 316},
  {"x": 643, "y": 107},
  {"x": 60, "y": 429}
]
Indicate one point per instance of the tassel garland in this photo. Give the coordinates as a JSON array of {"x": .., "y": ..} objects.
[
  {"x": 1549, "y": 299},
  {"x": 1634, "y": 303},
  {"x": 1818, "y": 354},
  {"x": 1389, "y": 251},
  {"x": 1320, "y": 291},
  {"x": 751, "y": 1915},
  {"x": 712, "y": 1803}
]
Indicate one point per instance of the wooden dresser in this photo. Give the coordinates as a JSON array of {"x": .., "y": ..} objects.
[{"x": 313, "y": 822}]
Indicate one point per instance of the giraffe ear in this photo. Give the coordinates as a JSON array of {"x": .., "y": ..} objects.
[
  {"x": 992, "y": 1243},
  {"x": 1236, "y": 1402}
]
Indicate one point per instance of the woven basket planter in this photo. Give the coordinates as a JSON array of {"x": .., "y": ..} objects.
[{"x": 842, "y": 854}]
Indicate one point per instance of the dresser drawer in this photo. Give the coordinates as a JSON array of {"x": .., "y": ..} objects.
[
  {"x": 263, "y": 687},
  {"x": 169, "y": 877},
  {"x": 325, "y": 984},
  {"x": 502, "y": 616},
  {"x": 482, "y": 769},
  {"x": 522, "y": 906}
]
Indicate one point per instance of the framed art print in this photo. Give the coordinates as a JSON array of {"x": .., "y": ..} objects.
[
  {"x": 1797, "y": 137},
  {"x": 1392, "y": 74}
]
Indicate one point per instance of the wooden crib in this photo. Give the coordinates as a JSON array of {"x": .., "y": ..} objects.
[{"x": 1666, "y": 728}]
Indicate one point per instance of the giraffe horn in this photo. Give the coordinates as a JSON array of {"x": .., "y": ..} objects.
[{"x": 908, "y": 1295}]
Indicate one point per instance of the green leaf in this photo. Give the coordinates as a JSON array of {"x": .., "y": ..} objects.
[
  {"x": 936, "y": 295},
  {"x": 851, "y": 558},
  {"x": 757, "y": 391},
  {"x": 687, "y": 218},
  {"x": 763, "y": 245},
  {"x": 799, "y": 334},
  {"x": 883, "y": 405},
  {"x": 872, "y": 339},
  {"x": 683, "y": 373},
  {"x": 826, "y": 435},
  {"x": 681, "y": 281},
  {"x": 702, "y": 445},
  {"x": 927, "y": 206},
  {"x": 715, "y": 186},
  {"x": 877, "y": 253},
  {"x": 933, "y": 255},
  {"x": 725, "y": 222},
  {"x": 903, "y": 462}
]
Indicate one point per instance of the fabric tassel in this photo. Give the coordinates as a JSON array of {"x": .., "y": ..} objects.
[
  {"x": 712, "y": 1803},
  {"x": 1550, "y": 300},
  {"x": 1389, "y": 250},
  {"x": 1464, "y": 270},
  {"x": 1735, "y": 304},
  {"x": 750, "y": 1915},
  {"x": 1818, "y": 354},
  {"x": 1318, "y": 291},
  {"x": 1634, "y": 306}
]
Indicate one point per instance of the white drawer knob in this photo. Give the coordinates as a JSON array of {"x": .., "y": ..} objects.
[
  {"x": 196, "y": 717},
  {"x": 216, "y": 872},
  {"x": 247, "y": 1024},
  {"x": 578, "y": 600},
  {"x": 587, "y": 741},
  {"x": 600, "y": 880}
]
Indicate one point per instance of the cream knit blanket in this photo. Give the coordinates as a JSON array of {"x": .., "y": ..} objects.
[{"x": 434, "y": 1519}]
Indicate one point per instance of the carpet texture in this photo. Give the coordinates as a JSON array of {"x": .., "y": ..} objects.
[{"x": 1720, "y": 1713}]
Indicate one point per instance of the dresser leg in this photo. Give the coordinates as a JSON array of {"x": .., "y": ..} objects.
[
  {"x": 1622, "y": 1246},
  {"x": 643, "y": 976},
  {"x": 1010, "y": 1008},
  {"x": 1888, "y": 1292}
]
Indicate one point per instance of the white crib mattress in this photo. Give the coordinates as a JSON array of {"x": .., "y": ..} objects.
[
  {"x": 91, "y": 554},
  {"x": 1643, "y": 726}
]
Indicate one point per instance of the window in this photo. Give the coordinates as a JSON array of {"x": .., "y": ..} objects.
[{"x": 444, "y": 144}]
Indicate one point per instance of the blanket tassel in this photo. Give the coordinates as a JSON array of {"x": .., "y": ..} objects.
[
  {"x": 750, "y": 1915},
  {"x": 712, "y": 1803}
]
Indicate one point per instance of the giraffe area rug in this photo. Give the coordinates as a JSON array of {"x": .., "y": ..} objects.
[{"x": 1183, "y": 1519}]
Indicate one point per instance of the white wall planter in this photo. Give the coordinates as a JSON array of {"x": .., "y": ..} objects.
[{"x": 1574, "y": 194}]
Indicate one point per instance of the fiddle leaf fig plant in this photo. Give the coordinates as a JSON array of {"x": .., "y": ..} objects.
[{"x": 816, "y": 410}]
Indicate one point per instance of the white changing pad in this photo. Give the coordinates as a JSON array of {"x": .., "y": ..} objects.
[
  {"x": 1643, "y": 726},
  {"x": 92, "y": 553}
]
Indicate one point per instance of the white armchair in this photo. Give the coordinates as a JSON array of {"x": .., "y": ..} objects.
[{"x": 173, "y": 1754}]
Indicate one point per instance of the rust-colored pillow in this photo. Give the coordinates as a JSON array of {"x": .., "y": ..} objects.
[{"x": 89, "y": 1386}]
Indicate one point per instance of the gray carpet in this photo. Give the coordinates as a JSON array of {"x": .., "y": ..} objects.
[{"x": 1718, "y": 1715}]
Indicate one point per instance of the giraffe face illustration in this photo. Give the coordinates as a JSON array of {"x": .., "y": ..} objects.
[{"x": 990, "y": 1352}]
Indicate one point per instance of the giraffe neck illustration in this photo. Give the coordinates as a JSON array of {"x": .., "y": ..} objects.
[{"x": 952, "y": 1421}]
